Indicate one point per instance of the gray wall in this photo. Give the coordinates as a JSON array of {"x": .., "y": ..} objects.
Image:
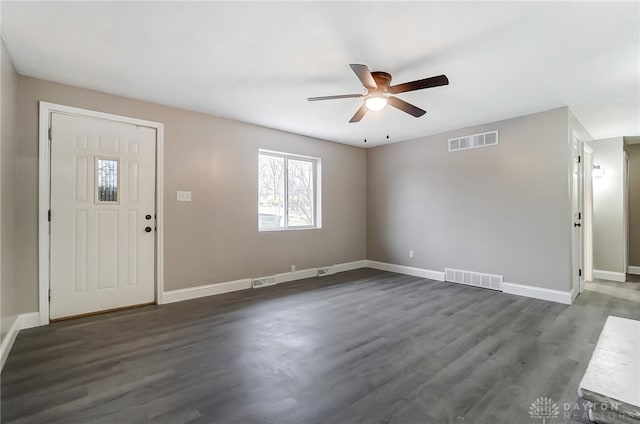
[
  {"x": 608, "y": 213},
  {"x": 214, "y": 238},
  {"x": 634, "y": 204},
  {"x": 503, "y": 209},
  {"x": 8, "y": 289}
]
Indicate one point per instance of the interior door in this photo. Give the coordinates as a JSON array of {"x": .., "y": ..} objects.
[
  {"x": 576, "y": 206},
  {"x": 102, "y": 215}
]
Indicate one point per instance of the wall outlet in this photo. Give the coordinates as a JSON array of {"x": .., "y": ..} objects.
[
  {"x": 293, "y": 268},
  {"x": 410, "y": 253},
  {"x": 183, "y": 196}
]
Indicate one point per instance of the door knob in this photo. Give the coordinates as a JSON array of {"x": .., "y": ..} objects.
[
  {"x": 147, "y": 229},
  {"x": 577, "y": 224},
  {"x": 148, "y": 217}
]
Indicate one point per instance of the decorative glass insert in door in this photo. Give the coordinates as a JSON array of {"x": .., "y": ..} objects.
[{"x": 107, "y": 180}]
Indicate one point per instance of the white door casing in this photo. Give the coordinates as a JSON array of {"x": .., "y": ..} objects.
[
  {"x": 587, "y": 221},
  {"x": 625, "y": 209},
  {"x": 101, "y": 257},
  {"x": 576, "y": 212}
]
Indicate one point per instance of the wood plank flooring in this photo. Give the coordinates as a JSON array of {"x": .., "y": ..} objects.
[{"x": 363, "y": 346}]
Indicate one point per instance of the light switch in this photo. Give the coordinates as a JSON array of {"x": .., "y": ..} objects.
[{"x": 183, "y": 196}]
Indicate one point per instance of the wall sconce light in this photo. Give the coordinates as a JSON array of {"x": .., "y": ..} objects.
[{"x": 597, "y": 171}]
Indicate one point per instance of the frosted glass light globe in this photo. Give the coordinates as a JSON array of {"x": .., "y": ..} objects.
[{"x": 375, "y": 104}]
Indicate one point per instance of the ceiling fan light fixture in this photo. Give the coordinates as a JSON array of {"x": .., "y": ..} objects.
[
  {"x": 380, "y": 92},
  {"x": 376, "y": 103}
]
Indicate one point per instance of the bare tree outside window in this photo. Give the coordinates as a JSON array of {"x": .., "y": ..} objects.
[
  {"x": 270, "y": 192},
  {"x": 300, "y": 181},
  {"x": 286, "y": 191}
]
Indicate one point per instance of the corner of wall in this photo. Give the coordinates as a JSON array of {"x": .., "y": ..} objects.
[{"x": 20, "y": 322}]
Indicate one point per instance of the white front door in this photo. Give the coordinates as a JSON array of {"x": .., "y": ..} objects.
[
  {"x": 576, "y": 210},
  {"x": 102, "y": 215}
]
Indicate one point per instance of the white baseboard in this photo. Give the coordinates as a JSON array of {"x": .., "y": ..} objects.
[
  {"x": 205, "y": 290},
  {"x": 22, "y": 322},
  {"x": 226, "y": 287},
  {"x": 609, "y": 275},
  {"x": 408, "y": 270},
  {"x": 313, "y": 272},
  {"x": 296, "y": 275},
  {"x": 510, "y": 288},
  {"x": 243, "y": 284},
  {"x": 635, "y": 270},
  {"x": 348, "y": 266},
  {"x": 538, "y": 293}
]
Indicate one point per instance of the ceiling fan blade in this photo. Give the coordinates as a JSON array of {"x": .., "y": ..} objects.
[
  {"x": 341, "y": 96},
  {"x": 405, "y": 107},
  {"x": 364, "y": 75},
  {"x": 359, "y": 114},
  {"x": 419, "y": 84}
]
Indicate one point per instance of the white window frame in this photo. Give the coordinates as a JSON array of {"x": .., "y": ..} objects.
[{"x": 317, "y": 198}]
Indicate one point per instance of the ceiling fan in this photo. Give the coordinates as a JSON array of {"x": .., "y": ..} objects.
[{"x": 378, "y": 90}]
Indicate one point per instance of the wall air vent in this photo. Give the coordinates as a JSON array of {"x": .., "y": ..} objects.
[
  {"x": 325, "y": 271},
  {"x": 263, "y": 282},
  {"x": 473, "y": 141},
  {"x": 477, "y": 279}
]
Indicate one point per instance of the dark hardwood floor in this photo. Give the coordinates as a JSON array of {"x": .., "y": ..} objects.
[{"x": 363, "y": 346}]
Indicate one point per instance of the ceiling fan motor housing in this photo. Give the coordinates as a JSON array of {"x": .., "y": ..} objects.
[{"x": 383, "y": 81}]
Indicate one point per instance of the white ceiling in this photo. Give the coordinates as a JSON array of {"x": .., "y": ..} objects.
[{"x": 258, "y": 62}]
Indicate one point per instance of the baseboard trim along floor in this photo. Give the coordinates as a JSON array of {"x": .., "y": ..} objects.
[
  {"x": 407, "y": 270},
  {"x": 538, "y": 293},
  {"x": 21, "y": 322},
  {"x": 243, "y": 284},
  {"x": 620, "y": 277}
]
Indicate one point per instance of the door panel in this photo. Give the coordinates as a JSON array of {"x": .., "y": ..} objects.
[{"x": 102, "y": 189}]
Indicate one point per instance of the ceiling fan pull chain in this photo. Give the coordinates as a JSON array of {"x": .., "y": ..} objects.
[{"x": 386, "y": 119}]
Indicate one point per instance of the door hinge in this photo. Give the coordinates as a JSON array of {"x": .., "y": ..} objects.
[
  {"x": 49, "y": 133},
  {"x": 579, "y": 159},
  {"x": 49, "y": 295},
  {"x": 579, "y": 215},
  {"x": 579, "y": 273},
  {"x": 49, "y": 215}
]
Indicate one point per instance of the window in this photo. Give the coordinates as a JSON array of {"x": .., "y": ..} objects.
[
  {"x": 107, "y": 180},
  {"x": 287, "y": 191}
]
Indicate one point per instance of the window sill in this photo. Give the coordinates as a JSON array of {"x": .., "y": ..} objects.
[{"x": 287, "y": 229}]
